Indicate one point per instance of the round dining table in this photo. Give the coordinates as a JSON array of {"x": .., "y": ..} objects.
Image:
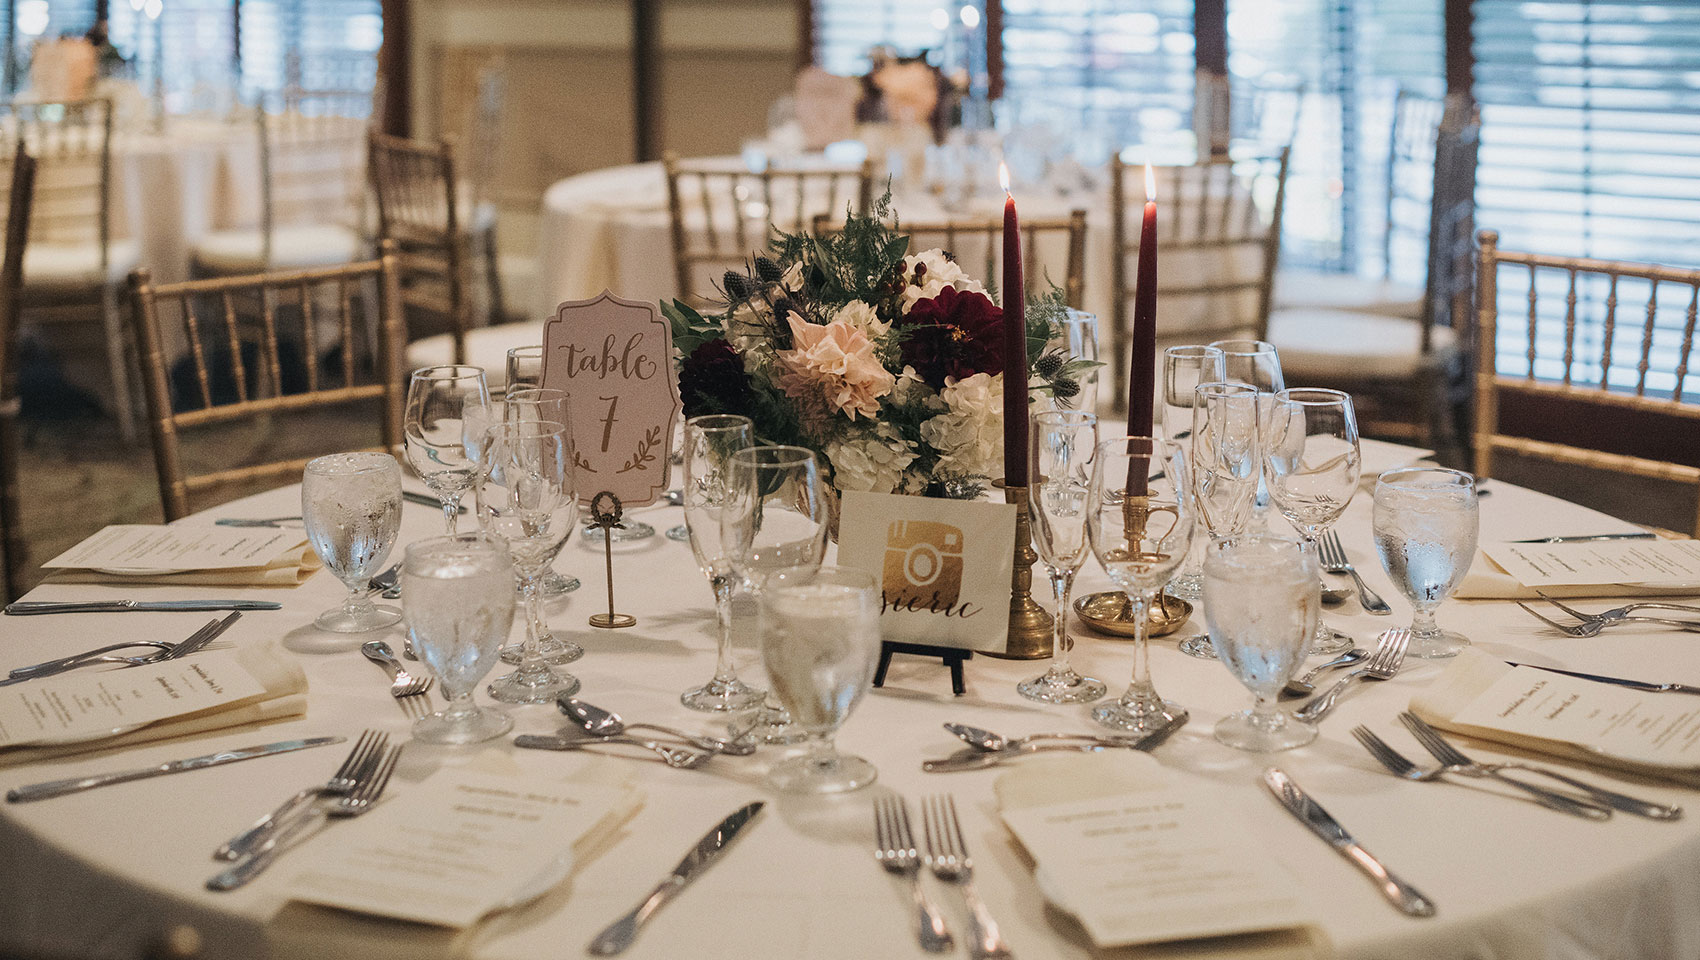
[{"x": 97, "y": 873}]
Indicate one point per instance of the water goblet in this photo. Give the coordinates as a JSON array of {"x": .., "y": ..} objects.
[
  {"x": 351, "y": 507},
  {"x": 448, "y": 409},
  {"x": 1061, "y": 443},
  {"x": 1262, "y": 599},
  {"x": 820, "y": 641},
  {"x": 1226, "y": 465},
  {"x": 1425, "y": 524},
  {"x": 1139, "y": 523},
  {"x": 540, "y": 403},
  {"x": 524, "y": 367},
  {"x": 527, "y": 500},
  {"x": 459, "y": 610},
  {"x": 1312, "y": 462},
  {"x": 710, "y": 442},
  {"x": 1184, "y": 368}
]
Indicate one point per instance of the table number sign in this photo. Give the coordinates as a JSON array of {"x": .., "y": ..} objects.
[{"x": 611, "y": 356}]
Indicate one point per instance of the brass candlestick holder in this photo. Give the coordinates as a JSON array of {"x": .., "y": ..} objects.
[
  {"x": 1030, "y": 627},
  {"x": 1111, "y": 612}
]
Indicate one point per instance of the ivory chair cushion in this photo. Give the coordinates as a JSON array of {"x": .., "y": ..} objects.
[
  {"x": 1345, "y": 291},
  {"x": 1320, "y": 343},
  {"x": 232, "y": 252},
  {"x": 486, "y": 347},
  {"x": 51, "y": 268}
]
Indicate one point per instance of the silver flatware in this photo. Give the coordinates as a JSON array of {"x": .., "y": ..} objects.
[
  {"x": 947, "y": 856},
  {"x": 366, "y": 750},
  {"x": 1406, "y": 898},
  {"x": 59, "y": 788},
  {"x": 598, "y": 722},
  {"x": 1646, "y": 685},
  {"x": 1333, "y": 556},
  {"x": 989, "y": 742},
  {"x": 21, "y": 608},
  {"x": 1304, "y": 686},
  {"x": 894, "y": 849},
  {"x": 1384, "y": 665},
  {"x": 713, "y": 845},
  {"x": 975, "y": 758},
  {"x": 1620, "y": 613},
  {"x": 245, "y": 522},
  {"x": 677, "y": 757},
  {"x": 426, "y": 500},
  {"x": 1593, "y": 628},
  {"x": 1401, "y": 766},
  {"x": 402, "y": 683},
  {"x": 194, "y": 643},
  {"x": 1591, "y": 538}
]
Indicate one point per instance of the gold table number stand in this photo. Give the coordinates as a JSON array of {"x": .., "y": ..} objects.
[{"x": 605, "y": 512}]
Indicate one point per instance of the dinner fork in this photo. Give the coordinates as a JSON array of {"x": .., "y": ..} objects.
[
  {"x": 1620, "y": 613},
  {"x": 947, "y": 857},
  {"x": 1593, "y": 628},
  {"x": 1398, "y": 765},
  {"x": 1333, "y": 557},
  {"x": 1452, "y": 758},
  {"x": 358, "y": 801},
  {"x": 402, "y": 683},
  {"x": 193, "y": 643},
  {"x": 341, "y": 782},
  {"x": 894, "y": 848},
  {"x": 1384, "y": 664}
]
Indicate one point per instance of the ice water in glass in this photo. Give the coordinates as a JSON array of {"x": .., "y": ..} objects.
[
  {"x": 1426, "y": 524},
  {"x": 1261, "y": 600},
  {"x": 351, "y": 507},
  {"x": 460, "y": 606}
]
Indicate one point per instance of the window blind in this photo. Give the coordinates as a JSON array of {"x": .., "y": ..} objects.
[{"x": 845, "y": 30}]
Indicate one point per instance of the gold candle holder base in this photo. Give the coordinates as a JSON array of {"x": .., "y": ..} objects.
[
  {"x": 1111, "y": 612},
  {"x": 1030, "y": 627}
]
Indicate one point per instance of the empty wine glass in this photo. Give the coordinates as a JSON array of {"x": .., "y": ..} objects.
[
  {"x": 521, "y": 405},
  {"x": 710, "y": 442},
  {"x": 1262, "y": 599},
  {"x": 524, "y": 367},
  {"x": 1184, "y": 368},
  {"x": 1258, "y": 363},
  {"x": 448, "y": 409},
  {"x": 820, "y": 641},
  {"x": 1311, "y": 460},
  {"x": 1139, "y": 524},
  {"x": 351, "y": 507},
  {"x": 527, "y": 500},
  {"x": 1080, "y": 339},
  {"x": 1226, "y": 464},
  {"x": 459, "y": 610},
  {"x": 1060, "y": 476},
  {"x": 1426, "y": 523}
]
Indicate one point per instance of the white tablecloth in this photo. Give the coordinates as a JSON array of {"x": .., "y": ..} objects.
[{"x": 87, "y": 875}]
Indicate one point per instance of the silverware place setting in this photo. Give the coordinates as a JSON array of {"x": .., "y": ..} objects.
[
  {"x": 1383, "y": 665},
  {"x": 366, "y": 749},
  {"x": 163, "y": 652},
  {"x": 947, "y": 857},
  {"x": 1305, "y": 686},
  {"x": 594, "y": 721},
  {"x": 895, "y": 850},
  {"x": 1404, "y": 897},
  {"x": 1595, "y": 625},
  {"x": 1401, "y": 766},
  {"x": 987, "y": 749}
]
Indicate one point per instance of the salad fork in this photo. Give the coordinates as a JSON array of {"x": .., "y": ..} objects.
[
  {"x": 1389, "y": 656},
  {"x": 1333, "y": 557},
  {"x": 1398, "y": 765},
  {"x": 169, "y": 651},
  {"x": 1620, "y": 613},
  {"x": 1593, "y": 628},
  {"x": 341, "y": 782},
  {"x": 402, "y": 683},
  {"x": 894, "y": 848},
  {"x": 947, "y": 857}
]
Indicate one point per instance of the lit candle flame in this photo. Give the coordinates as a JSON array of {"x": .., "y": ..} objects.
[
  {"x": 1150, "y": 185},
  {"x": 1003, "y": 176}
]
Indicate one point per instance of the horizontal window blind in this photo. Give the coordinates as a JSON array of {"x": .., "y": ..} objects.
[{"x": 845, "y": 30}]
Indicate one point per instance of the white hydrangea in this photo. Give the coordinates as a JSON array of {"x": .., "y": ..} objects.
[
  {"x": 746, "y": 329},
  {"x": 941, "y": 272},
  {"x": 862, "y": 317},
  {"x": 870, "y": 460},
  {"x": 910, "y": 388},
  {"x": 969, "y": 436},
  {"x": 792, "y": 281}
]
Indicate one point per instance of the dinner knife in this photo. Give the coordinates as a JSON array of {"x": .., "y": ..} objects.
[
  {"x": 1310, "y": 813},
  {"x": 31, "y": 607},
  {"x": 59, "y": 788},
  {"x": 1637, "y": 535},
  {"x": 1620, "y": 681},
  {"x": 969, "y": 758},
  {"x": 713, "y": 844}
]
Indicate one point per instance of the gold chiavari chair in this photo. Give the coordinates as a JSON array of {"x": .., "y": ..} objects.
[
  {"x": 721, "y": 215},
  {"x": 19, "y": 196},
  {"x": 241, "y": 317},
  {"x": 1573, "y": 384}
]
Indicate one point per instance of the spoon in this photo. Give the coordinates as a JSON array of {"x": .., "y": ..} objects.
[
  {"x": 1334, "y": 596},
  {"x": 605, "y": 723},
  {"x": 677, "y": 757},
  {"x": 988, "y": 742},
  {"x": 1302, "y": 686}
]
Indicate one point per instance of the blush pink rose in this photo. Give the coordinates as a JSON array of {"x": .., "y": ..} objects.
[{"x": 832, "y": 369}]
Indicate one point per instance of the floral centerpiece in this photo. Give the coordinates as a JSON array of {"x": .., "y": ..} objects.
[{"x": 886, "y": 363}]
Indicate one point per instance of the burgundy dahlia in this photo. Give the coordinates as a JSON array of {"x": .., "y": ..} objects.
[
  {"x": 953, "y": 335},
  {"x": 712, "y": 380}
]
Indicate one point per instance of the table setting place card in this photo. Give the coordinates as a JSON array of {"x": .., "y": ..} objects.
[
  {"x": 1600, "y": 568},
  {"x": 460, "y": 845},
  {"x": 188, "y": 554}
]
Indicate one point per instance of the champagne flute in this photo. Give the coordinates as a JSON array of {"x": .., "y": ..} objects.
[
  {"x": 1262, "y": 599},
  {"x": 448, "y": 409},
  {"x": 351, "y": 507},
  {"x": 1139, "y": 522},
  {"x": 1184, "y": 368},
  {"x": 710, "y": 442},
  {"x": 527, "y": 500},
  {"x": 459, "y": 609},
  {"x": 1311, "y": 460},
  {"x": 541, "y": 403},
  {"x": 1062, "y": 442},
  {"x": 820, "y": 641},
  {"x": 1426, "y": 524},
  {"x": 1226, "y": 464}
]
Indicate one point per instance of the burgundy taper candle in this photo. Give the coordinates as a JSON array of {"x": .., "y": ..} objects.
[
  {"x": 1014, "y": 345},
  {"x": 1142, "y": 365}
]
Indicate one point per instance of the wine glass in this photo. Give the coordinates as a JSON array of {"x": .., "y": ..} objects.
[
  {"x": 710, "y": 442},
  {"x": 1139, "y": 522},
  {"x": 1258, "y": 363},
  {"x": 1061, "y": 444},
  {"x": 774, "y": 518},
  {"x": 1311, "y": 460},
  {"x": 1425, "y": 530},
  {"x": 459, "y": 610},
  {"x": 820, "y": 641},
  {"x": 1080, "y": 339},
  {"x": 351, "y": 507},
  {"x": 448, "y": 409},
  {"x": 527, "y": 500},
  {"x": 1226, "y": 464},
  {"x": 1262, "y": 598},
  {"x": 1184, "y": 368},
  {"x": 521, "y": 405},
  {"x": 524, "y": 367}
]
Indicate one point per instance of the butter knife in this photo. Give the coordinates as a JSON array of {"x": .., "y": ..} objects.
[
  {"x": 1620, "y": 681},
  {"x": 1310, "y": 813},
  {"x": 969, "y": 758},
  {"x": 59, "y": 788},
  {"x": 1591, "y": 538},
  {"x": 30, "y": 607},
  {"x": 713, "y": 844}
]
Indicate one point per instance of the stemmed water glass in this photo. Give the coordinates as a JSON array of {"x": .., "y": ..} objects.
[
  {"x": 351, "y": 507},
  {"x": 1139, "y": 524},
  {"x": 1184, "y": 368},
  {"x": 775, "y": 518},
  {"x": 528, "y": 501},
  {"x": 1062, "y": 442},
  {"x": 1257, "y": 363},
  {"x": 448, "y": 409},
  {"x": 1226, "y": 463},
  {"x": 459, "y": 609},
  {"x": 710, "y": 442},
  {"x": 820, "y": 641},
  {"x": 1262, "y": 599},
  {"x": 1080, "y": 339},
  {"x": 1426, "y": 524},
  {"x": 522, "y": 405},
  {"x": 524, "y": 367},
  {"x": 1311, "y": 460}
]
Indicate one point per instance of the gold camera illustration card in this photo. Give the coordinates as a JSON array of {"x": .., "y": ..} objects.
[{"x": 944, "y": 566}]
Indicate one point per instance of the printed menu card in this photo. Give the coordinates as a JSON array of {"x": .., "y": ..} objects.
[
  {"x": 88, "y": 704},
  {"x": 188, "y": 554},
  {"x": 1639, "y": 562}
]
